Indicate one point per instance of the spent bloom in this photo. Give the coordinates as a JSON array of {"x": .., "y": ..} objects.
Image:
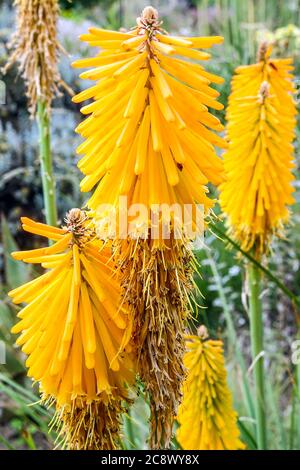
[
  {"x": 75, "y": 332},
  {"x": 36, "y": 49},
  {"x": 206, "y": 417}
]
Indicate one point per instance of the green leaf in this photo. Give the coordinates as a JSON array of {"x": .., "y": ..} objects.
[
  {"x": 16, "y": 273},
  {"x": 26, "y": 403},
  {"x": 5, "y": 442},
  {"x": 13, "y": 364},
  {"x": 273, "y": 396},
  {"x": 246, "y": 436},
  {"x": 6, "y": 319}
]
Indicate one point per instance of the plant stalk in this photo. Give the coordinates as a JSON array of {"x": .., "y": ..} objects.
[
  {"x": 46, "y": 164},
  {"x": 256, "y": 330}
]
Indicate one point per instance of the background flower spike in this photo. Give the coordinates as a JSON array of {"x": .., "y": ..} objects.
[{"x": 261, "y": 122}]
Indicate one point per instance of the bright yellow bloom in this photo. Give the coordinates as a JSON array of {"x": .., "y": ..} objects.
[
  {"x": 75, "y": 331},
  {"x": 149, "y": 135},
  {"x": 278, "y": 72},
  {"x": 261, "y": 129},
  {"x": 206, "y": 416}
]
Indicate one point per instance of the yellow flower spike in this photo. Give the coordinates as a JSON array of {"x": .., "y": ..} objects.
[
  {"x": 261, "y": 125},
  {"x": 150, "y": 137},
  {"x": 75, "y": 333},
  {"x": 277, "y": 72},
  {"x": 206, "y": 417},
  {"x": 161, "y": 81}
]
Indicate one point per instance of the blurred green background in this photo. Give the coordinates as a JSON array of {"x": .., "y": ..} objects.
[{"x": 244, "y": 23}]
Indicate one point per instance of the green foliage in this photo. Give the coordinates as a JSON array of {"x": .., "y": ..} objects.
[
  {"x": 15, "y": 273},
  {"x": 71, "y": 4},
  {"x": 243, "y": 23},
  {"x": 28, "y": 424}
]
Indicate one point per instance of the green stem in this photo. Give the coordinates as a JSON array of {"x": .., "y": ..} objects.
[
  {"x": 251, "y": 23},
  {"x": 46, "y": 164},
  {"x": 205, "y": 16},
  {"x": 293, "y": 429},
  {"x": 295, "y": 300},
  {"x": 256, "y": 329},
  {"x": 121, "y": 14}
]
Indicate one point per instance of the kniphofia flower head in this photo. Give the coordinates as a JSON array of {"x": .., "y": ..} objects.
[
  {"x": 75, "y": 331},
  {"x": 36, "y": 49},
  {"x": 261, "y": 120},
  {"x": 206, "y": 417},
  {"x": 277, "y": 72},
  {"x": 151, "y": 138},
  {"x": 149, "y": 135}
]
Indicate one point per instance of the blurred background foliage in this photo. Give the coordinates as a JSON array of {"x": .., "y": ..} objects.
[{"x": 223, "y": 308}]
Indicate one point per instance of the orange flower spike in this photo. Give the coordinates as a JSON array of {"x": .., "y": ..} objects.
[
  {"x": 139, "y": 79},
  {"x": 206, "y": 417},
  {"x": 261, "y": 122},
  {"x": 150, "y": 138},
  {"x": 74, "y": 339}
]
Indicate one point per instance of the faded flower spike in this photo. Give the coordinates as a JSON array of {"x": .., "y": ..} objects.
[
  {"x": 206, "y": 417},
  {"x": 150, "y": 137},
  {"x": 76, "y": 333},
  {"x": 258, "y": 163},
  {"x": 36, "y": 49}
]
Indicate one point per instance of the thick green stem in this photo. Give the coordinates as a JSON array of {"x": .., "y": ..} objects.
[
  {"x": 256, "y": 327},
  {"x": 251, "y": 22},
  {"x": 46, "y": 164}
]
